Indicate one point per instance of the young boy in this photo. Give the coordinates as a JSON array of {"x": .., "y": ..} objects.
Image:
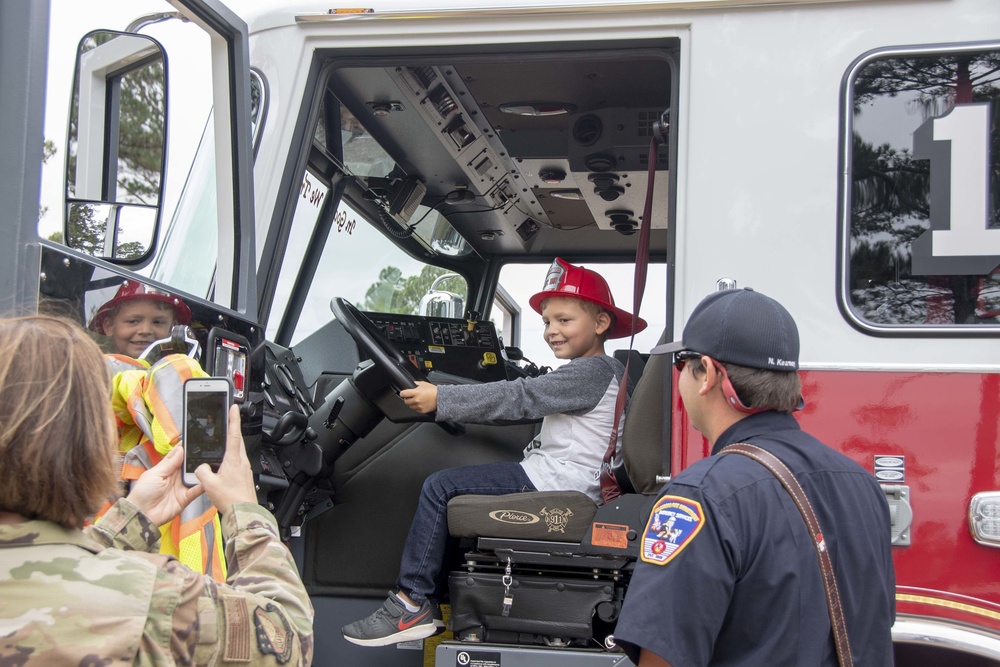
[
  {"x": 577, "y": 405},
  {"x": 137, "y": 316},
  {"x": 147, "y": 404}
]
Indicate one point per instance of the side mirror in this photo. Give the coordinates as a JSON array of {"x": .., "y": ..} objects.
[
  {"x": 116, "y": 148},
  {"x": 441, "y": 303}
]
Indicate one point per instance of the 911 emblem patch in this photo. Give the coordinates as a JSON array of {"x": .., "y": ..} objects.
[{"x": 672, "y": 525}]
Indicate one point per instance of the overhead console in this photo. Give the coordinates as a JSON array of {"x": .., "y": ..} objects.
[
  {"x": 525, "y": 152},
  {"x": 458, "y": 348},
  {"x": 439, "y": 94}
]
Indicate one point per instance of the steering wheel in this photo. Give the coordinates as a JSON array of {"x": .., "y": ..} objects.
[{"x": 401, "y": 372}]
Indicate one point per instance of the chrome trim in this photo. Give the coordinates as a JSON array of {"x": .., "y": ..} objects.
[
  {"x": 366, "y": 14},
  {"x": 942, "y": 634},
  {"x": 900, "y": 367},
  {"x": 844, "y": 193},
  {"x": 149, "y": 19}
]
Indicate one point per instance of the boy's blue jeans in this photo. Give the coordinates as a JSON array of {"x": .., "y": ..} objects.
[{"x": 424, "y": 552}]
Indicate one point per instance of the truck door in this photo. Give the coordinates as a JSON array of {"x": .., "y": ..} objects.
[{"x": 115, "y": 227}]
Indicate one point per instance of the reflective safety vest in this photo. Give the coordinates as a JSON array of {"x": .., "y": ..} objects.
[{"x": 148, "y": 404}]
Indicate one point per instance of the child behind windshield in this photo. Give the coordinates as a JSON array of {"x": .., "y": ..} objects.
[
  {"x": 137, "y": 316},
  {"x": 147, "y": 402}
]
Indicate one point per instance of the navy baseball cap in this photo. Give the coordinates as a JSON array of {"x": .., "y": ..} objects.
[{"x": 741, "y": 326}]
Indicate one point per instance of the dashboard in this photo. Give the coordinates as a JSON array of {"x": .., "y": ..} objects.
[{"x": 459, "y": 350}]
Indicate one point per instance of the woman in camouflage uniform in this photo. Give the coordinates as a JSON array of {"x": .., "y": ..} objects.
[{"x": 101, "y": 595}]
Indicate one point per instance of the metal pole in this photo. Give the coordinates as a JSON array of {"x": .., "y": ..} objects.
[{"x": 24, "y": 34}]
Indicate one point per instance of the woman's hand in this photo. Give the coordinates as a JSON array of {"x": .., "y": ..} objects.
[{"x": 159, "y": 493}]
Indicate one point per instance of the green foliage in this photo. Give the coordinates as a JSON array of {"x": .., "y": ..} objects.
[
  {"x": 141, "y": 135},
  {"x": 934, "y": 78},
  {"x": 394, "y": 293}
]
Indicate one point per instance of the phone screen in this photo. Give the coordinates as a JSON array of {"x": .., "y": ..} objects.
[{"x": 206, "y": 415}]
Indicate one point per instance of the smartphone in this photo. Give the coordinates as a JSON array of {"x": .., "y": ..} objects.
[{"x": 206, "y": 423}]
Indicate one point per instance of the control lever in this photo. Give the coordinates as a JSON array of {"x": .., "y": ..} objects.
[
  {"x": 291, "y": 427},
  {"x": 303, "y": 464}
]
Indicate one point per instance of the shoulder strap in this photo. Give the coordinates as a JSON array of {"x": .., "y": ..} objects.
[{"x": 787, "y": 479}]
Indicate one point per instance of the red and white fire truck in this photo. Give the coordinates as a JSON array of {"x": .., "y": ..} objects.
[{"x": 426, "y": 163}]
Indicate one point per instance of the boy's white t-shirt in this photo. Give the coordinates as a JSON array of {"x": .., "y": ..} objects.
[{"x": 576, "y": 403}]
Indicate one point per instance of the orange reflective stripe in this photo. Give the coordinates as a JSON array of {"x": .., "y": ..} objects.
[
  {"x": 132, "y": 472},
  {"x": 175, "y": 531},
  {"x": 162, "y": 415},
  {"x": 194, "y": 525}
]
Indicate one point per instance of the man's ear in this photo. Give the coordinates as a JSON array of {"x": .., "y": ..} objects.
[
  {"x": 711, "y": 377},
  {"x": 603, "y": 322}
]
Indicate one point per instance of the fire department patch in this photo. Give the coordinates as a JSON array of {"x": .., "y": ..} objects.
[
  {"x": 274, "y": 635},
  {"x": 672, "y": 525}
]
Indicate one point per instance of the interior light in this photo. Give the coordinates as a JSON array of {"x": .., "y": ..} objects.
[
  {"x": 537, "y": 108},
  {"x": 575, "y": 195}
]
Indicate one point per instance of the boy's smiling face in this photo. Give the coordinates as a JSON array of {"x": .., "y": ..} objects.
[
  {"x": 571, "y": 331},
  {"x": 137, "y": 324}
]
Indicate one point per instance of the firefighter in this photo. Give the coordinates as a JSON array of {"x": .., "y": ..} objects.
[{"x": 737, "y": 581}]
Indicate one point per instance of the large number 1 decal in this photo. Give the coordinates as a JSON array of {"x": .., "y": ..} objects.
[{"x": 959, "y": 241}]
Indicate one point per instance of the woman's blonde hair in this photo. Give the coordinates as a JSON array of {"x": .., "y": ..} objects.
[{"x": 57, "y": 434}]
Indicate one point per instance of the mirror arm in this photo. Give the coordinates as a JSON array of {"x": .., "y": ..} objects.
[{"x": 149, "y": 19}]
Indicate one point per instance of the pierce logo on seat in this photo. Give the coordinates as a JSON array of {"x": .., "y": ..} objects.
[{"x": 514, "y": 516}]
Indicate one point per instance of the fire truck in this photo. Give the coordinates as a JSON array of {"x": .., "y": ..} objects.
[{"x": 377, "y": 189}]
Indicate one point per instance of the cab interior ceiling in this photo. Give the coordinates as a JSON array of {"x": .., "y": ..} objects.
[{"x": 550, "y": 184}]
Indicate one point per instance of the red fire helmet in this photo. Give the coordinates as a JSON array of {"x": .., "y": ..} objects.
[
  {"x": 132, "y": 290},
  {"x": 566, "y": 280}
]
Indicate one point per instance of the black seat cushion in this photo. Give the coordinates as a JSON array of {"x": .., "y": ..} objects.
[{"x": 558, "y": 516}]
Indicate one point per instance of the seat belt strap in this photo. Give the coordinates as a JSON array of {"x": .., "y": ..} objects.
[{"x": 610, "y": 489}]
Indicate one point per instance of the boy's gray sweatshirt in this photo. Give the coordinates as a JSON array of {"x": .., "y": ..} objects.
[{"x": 576, "y": 403}]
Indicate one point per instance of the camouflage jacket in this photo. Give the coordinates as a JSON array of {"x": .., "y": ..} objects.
[{"x": 104, "y": 597}]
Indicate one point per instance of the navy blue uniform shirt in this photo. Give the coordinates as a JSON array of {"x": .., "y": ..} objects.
[{"x": 729, "y": 575}]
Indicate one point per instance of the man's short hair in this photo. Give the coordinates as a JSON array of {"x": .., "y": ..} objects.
[{"x": 756, "y": 388}]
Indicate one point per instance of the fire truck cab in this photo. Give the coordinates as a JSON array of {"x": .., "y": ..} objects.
[{"x": 377, "y": 190}]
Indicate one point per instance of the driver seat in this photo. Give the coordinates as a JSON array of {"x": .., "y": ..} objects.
[{"x": 563, "y": 560}]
